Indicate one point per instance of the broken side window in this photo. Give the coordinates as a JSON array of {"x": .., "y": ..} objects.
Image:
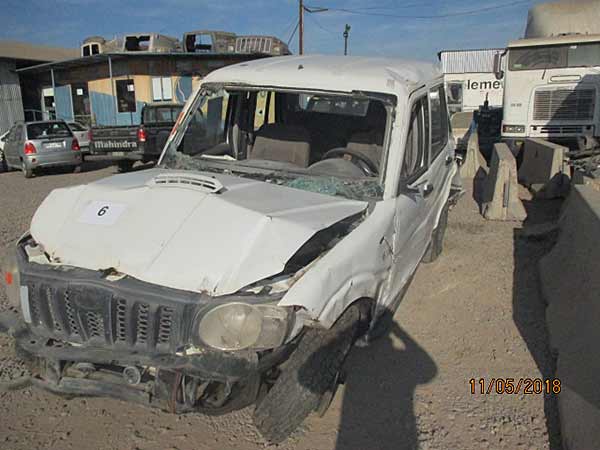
[
  {"x": 417, "y": 142},
  {"x": 439, "y": 121},
  {"x": 137, "y": 43}
]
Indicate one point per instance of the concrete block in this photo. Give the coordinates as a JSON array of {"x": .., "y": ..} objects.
[
  {"x": 473, "y": 157},
  {"x": 570, "y": 284},
  {"x": 545, "y": 168},
  {"x": 500, "y": 199}
]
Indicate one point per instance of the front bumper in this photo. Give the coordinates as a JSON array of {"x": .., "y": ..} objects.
[{"x": 79, "y": 315}]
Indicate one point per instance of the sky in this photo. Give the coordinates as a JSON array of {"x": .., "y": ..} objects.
[{"x": 416, "y": 34}]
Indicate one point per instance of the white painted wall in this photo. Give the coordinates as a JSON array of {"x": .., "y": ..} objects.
[{"x": 475, "y": 88}]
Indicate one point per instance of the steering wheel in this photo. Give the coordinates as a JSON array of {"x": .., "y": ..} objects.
[{"x": 361, "y": 160}]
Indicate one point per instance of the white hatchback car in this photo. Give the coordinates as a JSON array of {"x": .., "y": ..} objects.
[{"x": 292, "y": 204}]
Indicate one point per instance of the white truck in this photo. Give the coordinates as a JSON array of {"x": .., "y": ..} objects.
[{"x": 552, "y": 78}]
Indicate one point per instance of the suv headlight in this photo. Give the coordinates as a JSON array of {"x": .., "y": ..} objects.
[
  {"x": 236, "y": 326},
  {"x": 11, "y": 278}
]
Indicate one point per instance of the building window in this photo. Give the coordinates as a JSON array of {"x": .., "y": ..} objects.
[
  {"x": 162, "y": 89},
  {"x": 125, "y": 95},
  {"x": 90, "y": 49}
]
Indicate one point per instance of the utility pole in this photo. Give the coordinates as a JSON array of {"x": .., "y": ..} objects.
[
  {"x": 301, "y": 28},
  {"x": 346, "y": 33}
]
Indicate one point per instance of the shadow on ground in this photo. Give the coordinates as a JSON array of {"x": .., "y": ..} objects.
[
  {"x": 532, "y": 242},
  {"x": 378, "y": 410}
]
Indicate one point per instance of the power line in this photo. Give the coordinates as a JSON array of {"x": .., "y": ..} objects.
[
  {"x": 409, "y": 5},
  {"x": 288, "y": 27},
  {"x": 433, "y": 16},
  {"x": 293, "y": 33},
  {"x": 316, "y": 22}
]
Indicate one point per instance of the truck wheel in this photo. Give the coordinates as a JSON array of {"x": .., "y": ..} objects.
[
  {"x": 27, "y": 171},
  {"x": 306, "y": 378},
  {"x": 3, "y": 165},
  {"x": 125, "y": 166},
  {"x": 436, "y": 245}
]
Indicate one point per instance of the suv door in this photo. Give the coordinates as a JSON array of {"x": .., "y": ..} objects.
[
  {"x": 441, "y": 161},
  {"x": 411, "y": 230}
]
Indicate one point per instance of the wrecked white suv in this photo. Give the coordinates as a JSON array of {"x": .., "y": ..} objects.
[{"x": 293, "y": 202}]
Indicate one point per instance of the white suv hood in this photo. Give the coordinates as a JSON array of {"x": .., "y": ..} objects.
[{"x": 180, "y": 233}]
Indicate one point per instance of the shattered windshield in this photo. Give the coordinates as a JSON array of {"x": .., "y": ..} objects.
[{"x": 327, "y": 143}]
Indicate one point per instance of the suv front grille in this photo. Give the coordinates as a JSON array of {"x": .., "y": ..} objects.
[
  {"x": 564, "y": 104},
  {"x": 89, "y": 314}
]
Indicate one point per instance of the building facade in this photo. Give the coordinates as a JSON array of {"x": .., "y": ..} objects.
[
  {"x": 470, "y": 80},
  {"x": 15, "y": 56},
  {"x": 112, "y": 88}
]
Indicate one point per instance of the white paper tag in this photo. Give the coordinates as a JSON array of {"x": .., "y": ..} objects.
[{"x": 102, "y": 213}]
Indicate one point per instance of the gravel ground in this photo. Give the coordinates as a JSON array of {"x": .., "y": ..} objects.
[{"x": 475, "y": 313}]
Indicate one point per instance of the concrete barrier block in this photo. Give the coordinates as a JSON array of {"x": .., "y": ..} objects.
[
  {"x": 473, "y": 157},
  {"x": 570, "y": 283},
  {"x": 545, "y": 168},
  {"x": 500, "y": 200}
]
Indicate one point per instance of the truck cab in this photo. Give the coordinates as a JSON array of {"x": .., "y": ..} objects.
[{"x": 551, "y": 88}]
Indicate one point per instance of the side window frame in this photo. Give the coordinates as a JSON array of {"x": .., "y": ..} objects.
[
  {"x": 444, "y": 121},
  {"x": 424, "y": 124}
]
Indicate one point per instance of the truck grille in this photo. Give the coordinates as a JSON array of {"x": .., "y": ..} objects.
[
  {"x": 564, "y": 104},
  {"x": 93, "y": 315}
]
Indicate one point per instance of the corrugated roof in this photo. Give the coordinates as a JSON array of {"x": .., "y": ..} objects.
[
  {"x": 468, "y": 61},
  {"x": 31, "y": 52},
  {"x": 83, "y": 61}
]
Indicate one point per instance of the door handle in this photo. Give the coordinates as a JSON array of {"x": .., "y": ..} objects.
[{"x": 427, "y": 189}]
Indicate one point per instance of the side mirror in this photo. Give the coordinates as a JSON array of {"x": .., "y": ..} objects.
[{"x": 498, "y": 72}]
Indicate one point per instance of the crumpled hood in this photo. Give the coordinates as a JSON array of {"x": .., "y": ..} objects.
[{"x": 186, "y": 230}]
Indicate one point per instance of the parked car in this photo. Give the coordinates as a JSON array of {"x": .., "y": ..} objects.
[
  {"x": 82, "y": 133},
  {"x": 34, "y": 145},
  {"x": 291, "y": 206},
  {"x": 2, "y": 140},
  {"x": 128, "y": 144}
]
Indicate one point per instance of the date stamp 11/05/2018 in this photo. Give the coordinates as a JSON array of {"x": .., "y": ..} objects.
[{"x": 514, "y": 386}]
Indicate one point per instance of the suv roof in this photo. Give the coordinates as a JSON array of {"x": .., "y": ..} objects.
[{"x": 332, "y": 73}]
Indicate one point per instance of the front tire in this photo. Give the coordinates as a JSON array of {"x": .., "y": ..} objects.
[
  {"x": 311, "y": 373},
  {"x": 436, "y": 245},
  {"x": 3, "y": 165},
  {"x": 125, "y": 166}
]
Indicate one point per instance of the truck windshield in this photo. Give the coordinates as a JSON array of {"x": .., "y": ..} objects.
[
  {"x": 554, "y": 56},
  {"x": 329, "y": 143},
  {"x": 161, "y": 114}
]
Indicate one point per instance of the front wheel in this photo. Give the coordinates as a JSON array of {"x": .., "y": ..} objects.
[
  {"x": 306, "y": 378},
  {"x": 125, "y": 166}
]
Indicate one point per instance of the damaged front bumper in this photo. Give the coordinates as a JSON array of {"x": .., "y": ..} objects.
[{"x": 87, "y": 334}]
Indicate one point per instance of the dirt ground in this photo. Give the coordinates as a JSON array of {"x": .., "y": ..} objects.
[{"x": 475, "y": 313}]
